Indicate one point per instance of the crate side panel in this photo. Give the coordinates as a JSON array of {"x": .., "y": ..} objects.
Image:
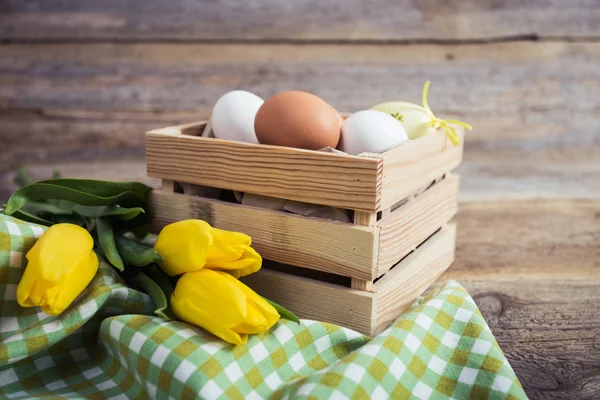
[
  {"x": 411, "y": 224},
  {"x": 329, "y": 246},
  {"x": 396, "y": 290},
  {"x": 315, "y": 177},
  {"x": 312, "y": 299},
  {"x": 416, "y": 164}
]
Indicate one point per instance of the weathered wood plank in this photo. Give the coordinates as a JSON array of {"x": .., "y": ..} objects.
[
  {"x": 536, "y": 134},
  {"x": 549, "y": 330},
  {"x": 533, "y": 268},
  {"x": 304, "y": 20},
  {"x": 466, "y": 79},
  {"x": 508, "y": 240}
]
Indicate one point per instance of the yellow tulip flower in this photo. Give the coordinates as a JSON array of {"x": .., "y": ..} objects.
[
  {"x": 193, "y": 244},
  {"x": 60, "y": 265},
  {"x": 224, "y": 306}
]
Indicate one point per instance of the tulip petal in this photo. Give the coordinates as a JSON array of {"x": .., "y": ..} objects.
[
  {"x": 184, "y": 245},
  {"x": 54, "y": 268},
  {"x": 227, "y": 246},
  {"x": 254, "y": 322},
  {"x": 224, "y": 306},
  {"x": 247, "y": 264},
  {"x": 59, "y": 250},
  {"x": 189, "y": 312},
  {"x": 261, "y": 305},
  {"x": 223, "y": 300},
  {"x": 74, "y": 284}
]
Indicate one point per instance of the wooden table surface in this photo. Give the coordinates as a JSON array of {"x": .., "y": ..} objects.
[{"x": 81, "y": 81}]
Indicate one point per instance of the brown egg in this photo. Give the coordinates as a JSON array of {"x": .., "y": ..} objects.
[{"x": 298, "y": 119}]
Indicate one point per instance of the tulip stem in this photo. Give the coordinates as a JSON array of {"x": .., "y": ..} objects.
[{"x": 283, "y": 312}]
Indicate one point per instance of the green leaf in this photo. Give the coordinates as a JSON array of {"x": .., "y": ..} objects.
[
  {"x": 283, "y": 312},
  {"x": 156, "y": 293},
  {"x": 63, "y": 205},
  {"x": 48, "y": 190},
  {"x": 27, "y": 217},
  {"x": 135, "y": 253},
  {"x": 106, "y": 241},
  {"x": 162, "y": 279},
  {"x": 37, "y": 207},
  {"x": 102, "y": 188},
  {"x": 105, "y": 211}
]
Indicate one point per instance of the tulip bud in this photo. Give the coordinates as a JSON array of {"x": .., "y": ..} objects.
[
  {"x": 183, "y": 246},
  {"x": 60, "y": 265},
  {"x": 231, "y": 252},
  {"x": 193, "y": 244},
  {"x": 224, "y": 306}
]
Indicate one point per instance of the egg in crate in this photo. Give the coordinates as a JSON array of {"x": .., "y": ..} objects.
[
  {"x": 233, "y": 116},
  {"x": 371, "y": 132},
  {"x": 298, "y": 119}
]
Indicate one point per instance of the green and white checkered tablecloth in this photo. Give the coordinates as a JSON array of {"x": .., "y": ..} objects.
[{"x": 108, "y": 345}]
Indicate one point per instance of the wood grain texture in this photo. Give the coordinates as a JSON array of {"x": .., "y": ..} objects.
[
  {"x": 413, "y": 165},
  {"x": 409, "y": 225},
  {"x": 365, "y": 218},
  {"x": 327, "y": 302},
  {"x": 366, "y": 312},
  {"x": 299, "y": 20},
  {"x": 315, "y": 177},
  {"x": 536, "y": 239},
  {"x": 362, "y": 218},
  {"x": 329, "y": 246},
  {"x": 533, "y": 267},
  {"x": 533, "y": 105},
  {"x": 400, "y": 286},
  {"x": 549, "y": 331}
]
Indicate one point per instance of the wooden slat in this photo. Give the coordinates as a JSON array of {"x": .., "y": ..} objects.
[
  {"x": 168, "y": 186},
  {"x": 397, "y": 289},
  {"x": 92, "y": 102},
  {"x": 412, "y": 166},
  {"x": 310, "y": 176},
  {"x": 362, "y": 218},
  {"x": 408, "y": 226},
  {"x": 361, "y": 284},
  {"x": 329, "y": 246},
  {"x": 301, "y": 20},
  {"x": 316, "y": 300}
]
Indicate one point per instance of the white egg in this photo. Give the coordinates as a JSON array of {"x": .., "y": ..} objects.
[
  {"x": 233, "y": 116},
  {"x": 371, "y": 131}
]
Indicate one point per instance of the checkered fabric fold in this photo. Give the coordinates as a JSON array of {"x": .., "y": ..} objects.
[{"x": 107, "y": 344}]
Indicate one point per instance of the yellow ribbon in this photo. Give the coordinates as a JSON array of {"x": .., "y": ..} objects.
[{"x": 440, "y": 123}]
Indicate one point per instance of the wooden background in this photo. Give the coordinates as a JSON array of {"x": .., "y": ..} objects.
[{"x": 81, "y": 81}]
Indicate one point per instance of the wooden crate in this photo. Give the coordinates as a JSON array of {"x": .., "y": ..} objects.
[{"x": 361, "y": 274}]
